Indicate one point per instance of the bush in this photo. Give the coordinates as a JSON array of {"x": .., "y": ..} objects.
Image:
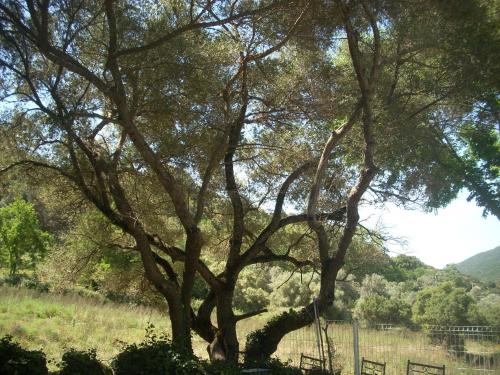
[
  {"x": 19, "y": 361},
  {"x": 76, "y": 362},
  {"x": 35, "y": 284},
  {"x": 13, "y": 280},
  {"x": 29, "y": 282},
  {"x": 221, "y": 368},
  {"x": 444, "y": 305},
  {"x": 146, "y": 358},
  {"x": 318, "y": 371},
  {"x": 380, "y": 309},
  {"x": 276, "y": 366},
  {"x": 155, "y": 356}
]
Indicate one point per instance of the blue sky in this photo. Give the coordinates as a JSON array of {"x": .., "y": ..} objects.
[{"x": 449, "y": 235}]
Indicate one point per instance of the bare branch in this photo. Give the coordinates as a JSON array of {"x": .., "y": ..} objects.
[{"x": 249, "y": 314}]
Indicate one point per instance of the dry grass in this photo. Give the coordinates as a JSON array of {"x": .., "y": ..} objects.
[{"x": 55, "y": 323}]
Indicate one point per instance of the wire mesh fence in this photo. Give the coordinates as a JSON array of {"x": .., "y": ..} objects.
[{"x": 463, "y": 350}]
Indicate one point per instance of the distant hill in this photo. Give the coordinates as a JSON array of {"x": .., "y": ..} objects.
[{"x": 483, "y": 266}]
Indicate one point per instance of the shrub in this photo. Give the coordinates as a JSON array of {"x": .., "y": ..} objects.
[
  {"x": 444, "y": 305},
  {"x": 318, "y": 371},
  {"x": 222, "y": 368},
  {"x": 146, "y": 358},
  {"x": 381, "y": 309},
  {"x": 35, "y": 284},
  {"x": 276, "y": 366},
  {"x": 16, "y": 360},
  {"x": 155, "y": 356},
  {"x": 76, "y": 362}
]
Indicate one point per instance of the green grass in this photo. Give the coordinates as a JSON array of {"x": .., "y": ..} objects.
[{"x": 55, "y": 323}]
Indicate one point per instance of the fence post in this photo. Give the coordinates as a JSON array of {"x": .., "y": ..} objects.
[
  {"x": 319, "y": 338},
  {"x": 355, "y": 342}
]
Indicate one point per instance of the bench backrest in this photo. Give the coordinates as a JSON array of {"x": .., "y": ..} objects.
[
  {"x": 372, "y": 367},
  {"x": 310, "y": 363},
  {"x": 414, "y": 368}
]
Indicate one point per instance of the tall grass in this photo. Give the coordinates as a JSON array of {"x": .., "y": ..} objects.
[{"x": 55, "y": 323}]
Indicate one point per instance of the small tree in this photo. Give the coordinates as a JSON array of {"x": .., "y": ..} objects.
[
  {"x": 22, "y": 243},
  {"x": 489, "y": 307},
  {"x": 444, "y": 304},
  {"x": 377, "y": 305}
]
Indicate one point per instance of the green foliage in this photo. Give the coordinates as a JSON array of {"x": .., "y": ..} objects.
[
  {"x": 489, "y": 308},
  {"x": 292, "y": 291},
  {"x": 366, "y": 257},
  {"x": 14, "y": 360},
  {"x": 404, "y": 268},
  {"x": 439, "y": 63},
  {"x": 379, "y": 302},
  {"x": 483, "y": 149},
  {"x": 83, "y": 261},
  {"x": 380, "y": 309},
  {"x": 155, "y": 356},
  {"x": 22, "y": 243},
  {"x": 253, "y": 289},
  {"x": 222, "y": 368},
  {"x": 25, "y": 281},
  {"x": 256, "y": 340},
  {"x": 445, "y": 305},
  {"x": 149, "y": 357},
  {"x": 484, "y": 266},
  {"x": 76, "y": 362},
  {"x": 276, "y": 366}
]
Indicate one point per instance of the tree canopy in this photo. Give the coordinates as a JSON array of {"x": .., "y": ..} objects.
[{"x": 249, "y": 130}]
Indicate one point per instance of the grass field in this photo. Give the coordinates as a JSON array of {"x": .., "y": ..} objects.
[{"x": 55, "y": 323}]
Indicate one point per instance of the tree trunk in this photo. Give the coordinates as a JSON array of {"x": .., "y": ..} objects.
[
  {"x": 262, "y": 343},
  {"x": 225, "y": 345},
  {"x": 181, "y": 339}
]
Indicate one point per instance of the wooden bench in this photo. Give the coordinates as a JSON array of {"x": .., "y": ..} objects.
[
  {"x": 308, "y": 363},
  {"x": 372, "y": 368},
  {"x": 414, "y": 368}
]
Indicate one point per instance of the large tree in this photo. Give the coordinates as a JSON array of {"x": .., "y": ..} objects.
[{"x": 228, "y": 127}]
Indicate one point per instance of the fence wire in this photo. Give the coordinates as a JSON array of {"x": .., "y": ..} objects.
[{"x": 464, "y": 350}]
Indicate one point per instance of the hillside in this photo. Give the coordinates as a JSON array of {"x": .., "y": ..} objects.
[{"x": 483, "y": 266}]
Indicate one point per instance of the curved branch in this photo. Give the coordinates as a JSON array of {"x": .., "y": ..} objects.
[
  {"x": 195, "y": 26},
  {"x": 249, "y": 314}
]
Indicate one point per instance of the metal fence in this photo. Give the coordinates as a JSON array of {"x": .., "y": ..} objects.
[{"x": 463, "y": 350}]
